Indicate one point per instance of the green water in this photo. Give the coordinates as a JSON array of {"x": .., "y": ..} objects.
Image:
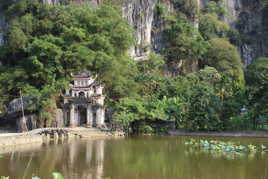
[{"x": 133, "y": 158}]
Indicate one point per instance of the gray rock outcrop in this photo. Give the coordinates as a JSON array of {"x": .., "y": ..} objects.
[{"x": 248, "y": 16}]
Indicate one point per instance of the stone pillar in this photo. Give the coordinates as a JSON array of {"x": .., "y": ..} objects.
[
  {"x": 67, "y": 92},
  {"x": 89, "y": 116},
  {"x": 100, "y": 116},
  {"x": 72, "y": 116}
]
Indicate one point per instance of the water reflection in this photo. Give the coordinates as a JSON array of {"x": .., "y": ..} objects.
[
  {"x": 75, "y": 159},
  {"x": 134, "y": 158},
  {"x": 86, "y": 159}
]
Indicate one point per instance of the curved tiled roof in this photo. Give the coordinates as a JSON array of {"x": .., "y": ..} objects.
[{"x": 84, "y": 74}]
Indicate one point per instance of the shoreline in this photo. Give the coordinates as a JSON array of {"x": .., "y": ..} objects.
[
  {"x": 34, "y": 136},
  {"x": 256, "y": 134}
]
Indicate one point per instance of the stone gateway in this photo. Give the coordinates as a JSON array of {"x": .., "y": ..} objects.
[{"x": 84, "y": 102}]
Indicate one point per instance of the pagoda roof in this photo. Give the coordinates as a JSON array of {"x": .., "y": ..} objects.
[{"x": 84, "y": 74}]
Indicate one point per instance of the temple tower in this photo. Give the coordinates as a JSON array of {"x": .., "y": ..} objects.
[{"x": 84, "y": 102}]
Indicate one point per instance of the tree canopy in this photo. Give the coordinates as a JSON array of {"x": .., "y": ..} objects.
[
  {"x": 225, "y": 58},
  {"x": 197, "y": 80},
  {"x": 257, "y": 80},
  {"x": 45, "y": 44}
]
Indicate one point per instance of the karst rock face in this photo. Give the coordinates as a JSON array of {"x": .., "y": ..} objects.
[{"x": 248, "y": 16}]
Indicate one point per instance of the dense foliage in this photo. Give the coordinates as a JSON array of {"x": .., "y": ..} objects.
[
  {"x": 203, "y": 76},
  {"x": 45, "y": 44},
  {"x": 185, "y": 45},
  {"x": 210, "y": 27},
  {"x": 55, "y": 175},
  {"x": 197, "y": 81},
  {"x": 257, "y": 79}
]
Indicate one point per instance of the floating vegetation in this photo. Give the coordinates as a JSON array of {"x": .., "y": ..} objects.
[
  {"x": 221, "y": 148},
  {"x": 55, "y": 175}
]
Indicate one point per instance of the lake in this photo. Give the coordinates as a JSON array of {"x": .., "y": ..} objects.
[{"x": 149, "y": 157}]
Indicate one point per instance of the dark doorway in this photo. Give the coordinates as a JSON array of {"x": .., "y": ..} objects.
[
  {"x": 82, "y": 94},
  {"x": 82, "y": 115},
  {"x": 94, "y": 119},
  {"x": 67, "y": 122}
]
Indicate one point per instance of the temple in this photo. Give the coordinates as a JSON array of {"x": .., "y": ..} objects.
[{"x": 84, "y": 102}]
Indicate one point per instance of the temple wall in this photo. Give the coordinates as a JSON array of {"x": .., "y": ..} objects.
[
  {"x": 89, "y": 116},
  {"x": 100, "y": 117}
]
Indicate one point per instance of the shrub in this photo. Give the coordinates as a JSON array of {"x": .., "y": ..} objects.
[
  {"x": 241, "y": 122},
  {"x": 225, "y": 58},
  {"x": 145, "y": 128},
  {"x": 217, "y": 8},
  {"x": 257, "y": 81},
  {"x": 210, "y": 27}
]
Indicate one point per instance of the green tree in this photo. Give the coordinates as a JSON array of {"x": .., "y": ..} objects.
[
  {"x": 154, "y": 64},
  {"x": 217, "y": 8},
  {"x": 210, "y": 27},
  {"x": 201, "y": 105},
  {"x": 225, "y": 58},
  {"x": 188, "y": 7},
  {"x": 185, "y": 45},
  {"x": 257, "y": 81},
  {"x": 45, "y": 44},
  {"x": 131, "y": 111},
  {"x": 203, "y": 109}
]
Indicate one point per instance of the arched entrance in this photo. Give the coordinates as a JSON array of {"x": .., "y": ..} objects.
[
  {"x": 94, "y": 115},
  {"x": 82, "y": 115},
  {"x": 82, "y": 94}
]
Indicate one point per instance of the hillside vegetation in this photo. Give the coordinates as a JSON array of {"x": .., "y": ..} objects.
[{"x": 197, "y": 80}]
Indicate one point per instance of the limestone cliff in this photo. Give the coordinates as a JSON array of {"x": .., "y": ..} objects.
[
  {"x": 252, "y": 25},
  {"x": 140, "y": 14},
  {"x": 248, "y": 16}
]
